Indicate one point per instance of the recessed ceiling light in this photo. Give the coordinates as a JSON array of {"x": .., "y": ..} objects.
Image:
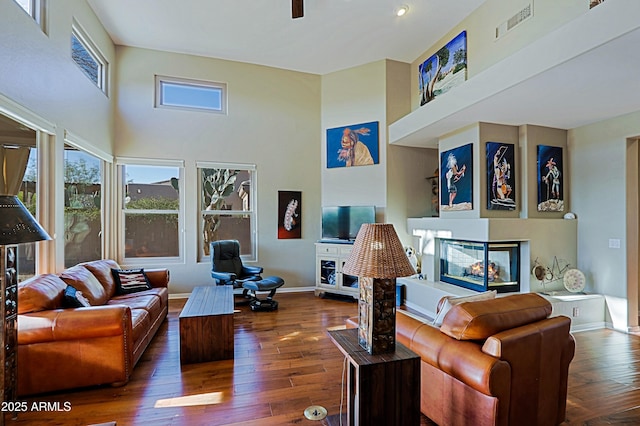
[{"x": 402, "y": 10}]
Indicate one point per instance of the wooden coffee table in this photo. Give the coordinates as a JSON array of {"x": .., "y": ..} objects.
[{"x": 206, "y": 325}]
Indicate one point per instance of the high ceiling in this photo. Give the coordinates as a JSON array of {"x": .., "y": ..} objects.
[{"x": 333, "y": 34}]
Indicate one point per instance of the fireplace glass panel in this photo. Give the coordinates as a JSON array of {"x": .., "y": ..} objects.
[{"x": 481, "y": 266}]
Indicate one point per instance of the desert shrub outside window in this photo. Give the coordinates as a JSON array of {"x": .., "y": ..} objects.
[
  {"x": 151, "y": 207},
  {"x": 227, "y": 206},
  {"x": 82, "y": 202}
]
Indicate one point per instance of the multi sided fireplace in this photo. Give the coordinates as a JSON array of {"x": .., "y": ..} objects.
[{"x": 481, "y": 266}]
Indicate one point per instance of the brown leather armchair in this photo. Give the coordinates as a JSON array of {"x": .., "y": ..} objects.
[{"x": 502, "y": 361}]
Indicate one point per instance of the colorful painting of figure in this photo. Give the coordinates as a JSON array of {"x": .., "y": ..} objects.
[
  {"x": 289, "y": 214},
  {"x": 501, "y": 188},
  {"x": 456, "y": 177},
  {"x": 444, "y": 70},
  {"x": 550, "y": 179},
  {"x": 355, "y": 145}
]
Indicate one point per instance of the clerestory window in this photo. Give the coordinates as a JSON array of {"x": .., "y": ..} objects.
[
  {"x": 181, "y": 93},
  {"x": 87, "y": 56}
]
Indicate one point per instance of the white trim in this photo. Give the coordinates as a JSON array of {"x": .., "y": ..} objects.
[
  {"x": 132, "y": 161},
  {"x": 77, "y": 142},
  {"x": 25, "y": 116},
  {"x": 218, "y": 165}
]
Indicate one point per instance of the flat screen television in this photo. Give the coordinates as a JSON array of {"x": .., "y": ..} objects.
[{"x": 343, "y": 222}]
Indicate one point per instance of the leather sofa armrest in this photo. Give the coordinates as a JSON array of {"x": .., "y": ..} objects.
[
  {"x": 466, "y": 362},
  {"x": 74, "y": 324},
  {"x": 158, "y": 277},
  {"x": 463, "y": 360}
]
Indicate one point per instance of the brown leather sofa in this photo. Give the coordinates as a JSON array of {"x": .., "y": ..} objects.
[
  {"x": 501, "y": 361},
  {"x": 62, "y": 348}
]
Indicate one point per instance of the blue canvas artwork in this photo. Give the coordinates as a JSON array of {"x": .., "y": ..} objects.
[
  {"x": 501, "y": 188},
  {"x": 355, "y": 145},
  {"x": 550, "y": 179},
  {"x": 456, "y": 177},
  {"x": 443, "y": 70}
]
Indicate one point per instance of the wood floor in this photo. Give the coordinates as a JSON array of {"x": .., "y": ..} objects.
[{"x": 284, "y": 362}]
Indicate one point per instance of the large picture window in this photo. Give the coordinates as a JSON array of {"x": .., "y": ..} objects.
[
  {"x": 82, "y": 206},
  {"x": 227, "y": 206},
  {"x": 151, "y": 208}
]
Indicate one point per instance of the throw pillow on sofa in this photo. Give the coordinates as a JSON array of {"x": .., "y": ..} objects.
[
  {"x": 130, "y": 280},
  {"x": 447, "y": 302},
  {"x": 74, "y": 298}
]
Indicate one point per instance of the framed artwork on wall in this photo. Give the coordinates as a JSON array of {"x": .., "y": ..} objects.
[
  {"x": 456, "y": 179},
  {"x": 289, "y": 214},
  {"x": 501, "y": 185},
  {"x": 550, "y": 179},
  {"x": 355, "y": 145},
  {"x": 444, "y": 70}
]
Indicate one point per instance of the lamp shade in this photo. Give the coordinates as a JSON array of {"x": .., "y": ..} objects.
[
  {"x": 378, "y": 253},
  {"x": 17, "y": 225}
]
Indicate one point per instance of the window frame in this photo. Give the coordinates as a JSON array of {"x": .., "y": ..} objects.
[
  {"x": 103, "y": 65},
  {"x": 158, "y": 100},
  {"x": 121, "y": 162},
  {"x": 37, "y": 12},
  {"x": 252, "y": 212}
]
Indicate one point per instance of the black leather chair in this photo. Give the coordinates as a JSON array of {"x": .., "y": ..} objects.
[{"x": 227, "y": 267}]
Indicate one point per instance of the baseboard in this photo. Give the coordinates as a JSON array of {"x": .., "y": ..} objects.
[{"x": 588, "y": 326}]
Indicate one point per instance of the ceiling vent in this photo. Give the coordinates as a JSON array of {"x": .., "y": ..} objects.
[{"x": 521, "y": 16}]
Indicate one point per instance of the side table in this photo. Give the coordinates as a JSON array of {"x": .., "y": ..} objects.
[{"x": 381, "y": 389}]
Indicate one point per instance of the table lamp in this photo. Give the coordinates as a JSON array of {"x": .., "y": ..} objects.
[
  {"x": 377, "y": 259},
  {"x": 17, "y": 226}
]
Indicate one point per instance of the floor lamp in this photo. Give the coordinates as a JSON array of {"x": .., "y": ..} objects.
[
  {"x": 377, "y": 259},
  {"x": 17, "y": 226}
]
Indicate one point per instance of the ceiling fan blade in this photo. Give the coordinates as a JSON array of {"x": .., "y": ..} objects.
[{"x": 297, "y": 9}]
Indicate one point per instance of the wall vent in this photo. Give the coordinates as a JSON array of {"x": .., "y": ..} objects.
[{"x": 524, "y": 14}]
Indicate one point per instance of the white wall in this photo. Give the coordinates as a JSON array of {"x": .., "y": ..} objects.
[
  {"x": 354, "y": 96},
  {"x": 38, "y": 73},
  {"x": 273, "y": 121},
  {"x": 598, "y": 176},
  {"x": 483, "y": 50}
]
